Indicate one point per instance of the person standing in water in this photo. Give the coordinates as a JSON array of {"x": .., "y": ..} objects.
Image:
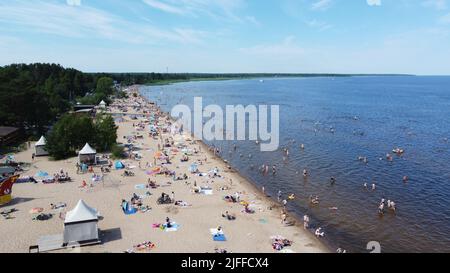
[
  {"x": 332, "y": 180},
  {"x": 305, "y": 173},
  {"x": 305, "y": 222}
]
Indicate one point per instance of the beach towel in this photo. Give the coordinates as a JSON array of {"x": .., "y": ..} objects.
[
  {"x": 174, "y": 227},
  {"x": 206, "y": 192},
  {"x": 41, "y": 174},
  {"x": 219, "y": 238},
  {"x": 140, "y": 187}
]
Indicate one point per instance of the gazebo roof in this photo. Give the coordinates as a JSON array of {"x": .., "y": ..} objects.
[
  {"x": 42, "y": 141},
  {"x": 81, "y": 213},
  {"x": 87, "y": 150}
]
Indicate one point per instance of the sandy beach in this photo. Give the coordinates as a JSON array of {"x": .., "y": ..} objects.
[{"x": 119, "y": 232}]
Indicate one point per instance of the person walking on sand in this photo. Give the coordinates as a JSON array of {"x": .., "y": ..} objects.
[
  {"x": 264, "y": 190},
  {"x": 305, "y": 221},
  {"x": 279, "y": 196},
  {"x": 283, "y": 217},
  {"x": 33, "y": 156}
]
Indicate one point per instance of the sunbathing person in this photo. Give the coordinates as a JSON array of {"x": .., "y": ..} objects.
[
  {"x": 229, "y": 216},
  {"x": 230, "y": 199},
  {"x": 168, "y": 224},
  {"x": 182, "y": 204},
  {"x": 248, "y": 210}
]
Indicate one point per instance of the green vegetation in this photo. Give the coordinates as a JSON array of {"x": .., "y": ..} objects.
[
  {"x": 106, "y": 132},
  {"x": 118, "y": 152},
  {"x": 33, "y": 96},
  {"x": 72, "y": 132},
  {"x": 102, "y": 92}
]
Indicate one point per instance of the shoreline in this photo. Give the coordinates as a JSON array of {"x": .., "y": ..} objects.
[
  {"x": 327, "y": 246},
  {"x": 249, "y": 233}
]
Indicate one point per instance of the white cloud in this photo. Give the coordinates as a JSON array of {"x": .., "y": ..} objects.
[
  {"x": 374, "y": 2},
  {"x": 216, "y": 9},
  {"x": 319, "y": 25},
  {"x": 88, "y": 23},
  {"x": 73, "y": 2},
  {"x": 164, "y": 7},
  {"x": 321, "y": 4},
  {"x": 288, "y": 47},
  {"x": 436, "y": 4},
  {"x": 445, "y": 19}
]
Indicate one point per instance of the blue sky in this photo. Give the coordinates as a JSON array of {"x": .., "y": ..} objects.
[{"x": 310, "y": 36}]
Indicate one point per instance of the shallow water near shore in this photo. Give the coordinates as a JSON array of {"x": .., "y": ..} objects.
[{"x": 369, "y": 116}]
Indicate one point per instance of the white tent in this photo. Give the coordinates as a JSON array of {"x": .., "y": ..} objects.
[
  {"x": 40, "y": 147},
  {"x": 88, "y": 155},
  {"x": 102, "y": 105},
  {"x": 81, "y": 225}
]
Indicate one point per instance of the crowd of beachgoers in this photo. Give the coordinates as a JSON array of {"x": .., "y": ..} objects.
[{"x": 171, "y": 193}]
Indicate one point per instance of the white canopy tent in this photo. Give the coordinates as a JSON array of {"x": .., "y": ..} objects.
[
  {"x": 40, "y": 147},
  {"x": 102, "y": 105},
  {"x": 81, "y": 225},
  {"x": 88, "y": 155}
]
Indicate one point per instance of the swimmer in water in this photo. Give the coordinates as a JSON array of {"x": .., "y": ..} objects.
[
  {"x": 332, "y": 180},
  {"x": 381, "y": 208},
  {"x": 319, "y": 233}
]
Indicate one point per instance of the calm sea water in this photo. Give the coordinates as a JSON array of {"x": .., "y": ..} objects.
[{"x": 370, "y": 116}]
